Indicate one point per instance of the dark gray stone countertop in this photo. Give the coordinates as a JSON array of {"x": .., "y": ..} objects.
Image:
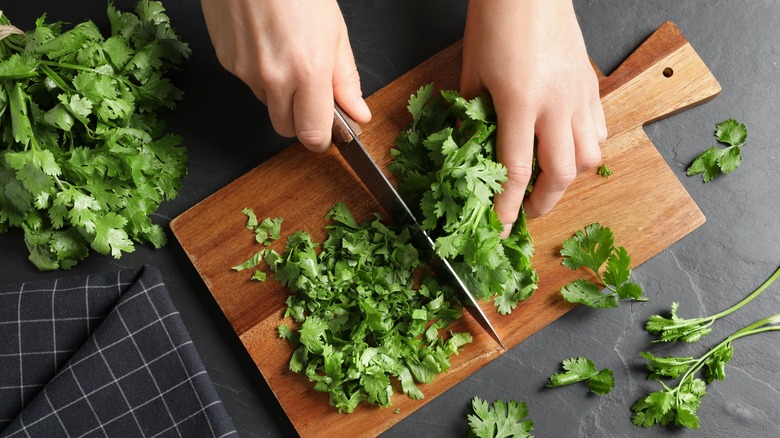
[{"x": 227, "y": 132}]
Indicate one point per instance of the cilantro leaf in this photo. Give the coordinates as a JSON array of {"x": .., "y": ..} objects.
[
  {"x": 587, "y": 293},
  {"x": 579, "y": 369},
  {"x": 602, "y": 383},
  {"x": 605, "y": 171},
  {"x": 110, "y": 235},
  {"x": 503, "y": 419},
  {"x": 251, "y": 262},
  {"x": 592, "y": 248},
  {"x": 731, "y": 132},
  {"x": 589, "y": 248},
  {"x": 714, "y": 160}
]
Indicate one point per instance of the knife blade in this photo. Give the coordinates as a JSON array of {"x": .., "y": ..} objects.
[{"x": 346, "y": 134}]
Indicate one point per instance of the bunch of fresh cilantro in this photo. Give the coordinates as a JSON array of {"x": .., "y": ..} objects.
[
  {"x": 446, "y": 164},
  {"x": 85, "y": 158},
  {"x": 368, "y": 314}
]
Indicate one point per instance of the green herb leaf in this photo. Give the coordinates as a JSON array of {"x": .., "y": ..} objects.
[
  {"x": 592, "y": 248},
  {"x": 714, "y": 160},
  {"x": 579, "y": 369},
  {"x": 503, "y": 419}
]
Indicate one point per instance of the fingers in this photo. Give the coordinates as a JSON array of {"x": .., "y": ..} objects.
[
  {"x": 586, "y": 134},
  {"x": 313, "y": 113},
  {"x": 557, "y": 163},
  {"x": 346, "y": 84},
  {"x": 515, "y": 150}
]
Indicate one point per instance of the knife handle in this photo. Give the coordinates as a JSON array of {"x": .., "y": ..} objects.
[{"x": 344, "y": 128}]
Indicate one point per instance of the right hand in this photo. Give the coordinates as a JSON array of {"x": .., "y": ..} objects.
[{"x": 295, "y": 56}]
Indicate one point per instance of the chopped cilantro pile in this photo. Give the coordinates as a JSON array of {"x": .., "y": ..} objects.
[
  {"x": 86, "y": 159},
  {"x": 447, "y": 167},
  {"x": 502, "y": 420},
  {"x": 368, "y": 314}
]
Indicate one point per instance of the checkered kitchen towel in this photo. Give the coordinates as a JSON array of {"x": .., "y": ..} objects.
[{"x": 102, "y": 356}]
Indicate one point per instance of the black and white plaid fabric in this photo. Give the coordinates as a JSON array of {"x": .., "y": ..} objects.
[{"x": 102, "y": 356}]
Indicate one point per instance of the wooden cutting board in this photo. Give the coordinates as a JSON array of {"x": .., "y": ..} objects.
[{"x": 642, "y": 202}]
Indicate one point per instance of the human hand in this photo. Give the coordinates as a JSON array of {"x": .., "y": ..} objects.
[
  {"x": 295, "y": 56},
  {"x": 530, "y": 56}
]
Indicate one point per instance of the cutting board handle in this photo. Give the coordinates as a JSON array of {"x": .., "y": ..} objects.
[{"x": 663, "y": 76}]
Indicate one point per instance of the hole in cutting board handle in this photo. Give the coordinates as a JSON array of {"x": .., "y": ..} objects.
[{"x": 668, "y": 72}]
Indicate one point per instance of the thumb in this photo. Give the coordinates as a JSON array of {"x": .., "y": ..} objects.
[{"x": 346, "y": 83}]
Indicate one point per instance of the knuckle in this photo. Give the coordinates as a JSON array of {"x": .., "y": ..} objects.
[
  {"x": 561, "y": 179},
  {"x": 315, "y": 139},
  {"x": 284, "y": 130},
  {"x": 518, "y": 175},
  {"x": 589, "y": 159}
]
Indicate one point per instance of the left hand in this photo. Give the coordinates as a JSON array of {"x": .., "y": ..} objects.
[{"x": 531, "y": 57}]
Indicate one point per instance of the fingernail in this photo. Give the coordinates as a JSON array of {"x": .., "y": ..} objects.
[
  {"x": 362, "y": 106},
  {"x": 507, "y": 230}
]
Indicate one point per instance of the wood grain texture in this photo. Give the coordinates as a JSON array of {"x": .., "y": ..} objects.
[{"x": 642, "y": 202}]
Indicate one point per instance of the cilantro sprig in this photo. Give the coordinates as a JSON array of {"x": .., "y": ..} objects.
[
  {"x": 502, "y": 420},
  {"x": 675, "y": 328},
  {"x": 715, "y": 160},
  {"x": 447, "y": 167},
  {"x": 86, "y": 159},
  {"x": 679, "y": 404},
  {"x": 368, "y": 316},
  {"x": 592, "y": 248},
  {"x": 578, "y": 369}
]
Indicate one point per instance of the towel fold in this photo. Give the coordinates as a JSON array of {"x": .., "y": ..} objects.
[{"x": 102, "y": 355}]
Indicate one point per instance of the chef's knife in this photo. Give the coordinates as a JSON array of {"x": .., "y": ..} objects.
[{"x": 345, "y": 136}]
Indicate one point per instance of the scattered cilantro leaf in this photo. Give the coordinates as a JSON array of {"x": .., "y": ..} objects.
[
  {"x": 679, "y": 404},
  {"x": 85, "y": 156},
  {"x": 714, "y": 160},
  {"x": 368, "y": 315},
  {"x": 592, "y": 248},
  {"x": 447, "y": 168},
  {"x": 503, "y": 419},
  {"x": 579, "y": 369},
  {"x": 605, "y": 171},
  {"x": 674, "y": 328},
  {"x": 251, "y": 262}
]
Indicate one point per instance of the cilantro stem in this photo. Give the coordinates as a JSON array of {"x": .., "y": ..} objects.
[
  {"x": 747, "y": 299},
  {"x": 752, "y": 329},
  {"x": 55, "y": 77},
  {"x": 709, "y": 320},
  {"x": 69, "y": 66}
]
